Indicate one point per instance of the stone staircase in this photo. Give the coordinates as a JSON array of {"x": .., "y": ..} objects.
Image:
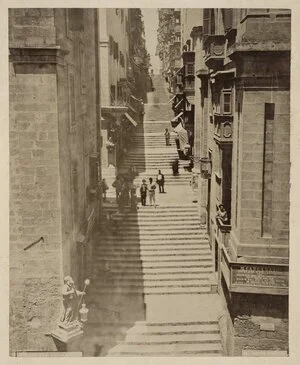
[
  {"x": 156, "y": 251},
  {"x": 153, "y": 269},
  {"x": 171, "y": 339}
]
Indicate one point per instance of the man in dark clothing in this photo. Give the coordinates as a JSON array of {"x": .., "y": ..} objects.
[
  {"x": 167, "y": 136},
  {"x": 160, "y": 179},
  {"x": 143, "y": 192},
  {"x": 175, "y": 167}
]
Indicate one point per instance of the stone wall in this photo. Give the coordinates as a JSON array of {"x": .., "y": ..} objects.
[
  {"x": 35, "y": 274},
  {"x": 253, "y": 201},
  {"x": 54, "y": 131},
  {"x": 78, "y": 121},
  {"x": 254, "y": 322}
]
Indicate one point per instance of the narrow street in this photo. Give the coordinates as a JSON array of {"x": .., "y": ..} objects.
[{"x": 152, "y": 295}]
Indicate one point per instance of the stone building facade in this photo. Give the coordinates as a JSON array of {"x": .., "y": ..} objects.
[
  {"x": 241, "y": 150},
  {"x": 54, "y": 163},
  {"x": 169, "y": 44},
  {"x": 121, "y": 106}
]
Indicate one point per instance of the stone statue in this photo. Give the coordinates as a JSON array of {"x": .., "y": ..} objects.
[{"x": 71, "y": 299}]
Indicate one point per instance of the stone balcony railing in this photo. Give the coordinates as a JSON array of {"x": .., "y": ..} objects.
[{"x": 214, "y": 47}]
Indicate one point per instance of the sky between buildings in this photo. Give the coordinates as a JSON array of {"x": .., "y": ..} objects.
[{"x": 151, "y": 24}]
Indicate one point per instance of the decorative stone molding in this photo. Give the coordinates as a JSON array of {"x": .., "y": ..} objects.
[
  {"x": 36, "y": 55},
  {"x": 223, "y": 129},
  {"x": 248, "y": 277},
  {"x": 214, "y": 47}
]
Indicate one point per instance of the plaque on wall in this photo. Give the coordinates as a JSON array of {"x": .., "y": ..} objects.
[{"x": 259, "y": 276}]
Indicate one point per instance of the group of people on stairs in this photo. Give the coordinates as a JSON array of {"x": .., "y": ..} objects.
[{"x": 150, "y": 189}]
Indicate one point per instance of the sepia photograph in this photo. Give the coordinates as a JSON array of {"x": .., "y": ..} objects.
[{"x": 149, "y": 181}]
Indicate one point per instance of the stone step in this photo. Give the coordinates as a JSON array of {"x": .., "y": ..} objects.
[
  {"x": 161, "y": 271},
  {"x": 167, "y": 173},
  {"x": 169, "y": 236},
  {"x": 158, "y": 159},
  {"x": 175, "y": 349},
  {"x": 153, "y": 252},
  {"x": 149, "y": 152},
  {"x": 169, "y": 339},
  {"x": 156, "y": 266},
  {"x": 171, "y": 256},
  {"x": 192, "y": 219},
  {"x": 112, "y": 245},
  {"x": 158, "y": 229},
  {"x": 154, "y": 241},
  {"x": 151, "y": 284},
  {"x": 157, "y": 259},
  {"x": 112, "y": 282},
  {"x": 116, "y": 265},
  {"x": 148, "y": 166},
  {"x": 163, "y": 233},
  {"x": 144, "y": 327},
  {"x": 157, "y": 277},
  {"x": 160, "y": 209},
  {"x": 154, "y": 291}
]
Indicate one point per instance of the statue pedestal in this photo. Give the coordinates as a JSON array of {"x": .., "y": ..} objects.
[{"x": 66, "y": 332}]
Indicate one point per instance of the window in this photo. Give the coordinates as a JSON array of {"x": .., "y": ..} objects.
[
  {"x": 227, "y": 102},
  {"x": 177, "y": 20}
]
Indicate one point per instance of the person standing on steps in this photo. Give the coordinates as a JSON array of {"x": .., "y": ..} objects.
[
  {"x": 175, "y": 167},
  {"x": 133, "y": 199},
  {"x": 143, "y": 192},
  {"x": 117, "y": 184},
  {"x": 160, "y": 179},
  {"x": 104, "y": 188},
  {"x": 152, "y": 187},
  {"x": 167, "y": 136}
]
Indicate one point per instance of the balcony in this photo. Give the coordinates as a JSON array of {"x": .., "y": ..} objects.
[
  {"x": 189, "y": 84},
  {"x": 223, "y": 129},
  {"x": 214, "y": 47},
  {"x": 188, "y": 56}
]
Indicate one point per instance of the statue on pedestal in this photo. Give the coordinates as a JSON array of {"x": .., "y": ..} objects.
[
  {"x": 71, "y": 300},
  {"x": 70, "y": 326}
]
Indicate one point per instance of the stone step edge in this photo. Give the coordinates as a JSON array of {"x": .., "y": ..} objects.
[{"x": 172, "y": 354}]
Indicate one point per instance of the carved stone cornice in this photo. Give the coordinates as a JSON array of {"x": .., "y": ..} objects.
[{"x": 262, "y": 82}]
